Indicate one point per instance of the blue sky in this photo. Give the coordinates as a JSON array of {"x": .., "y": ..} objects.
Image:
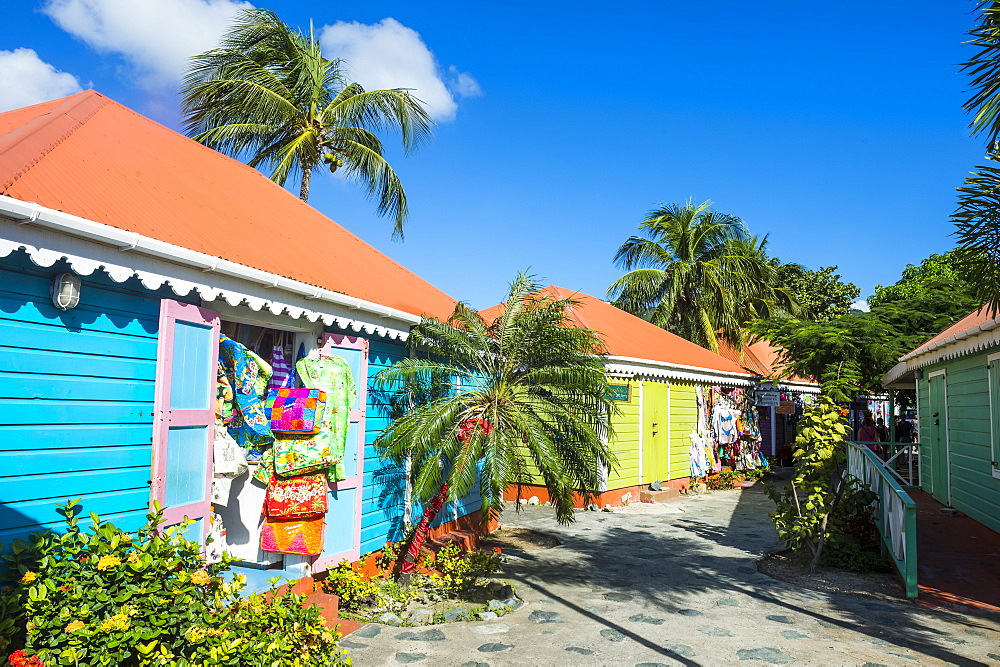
[{"x": 836, "y": 128}]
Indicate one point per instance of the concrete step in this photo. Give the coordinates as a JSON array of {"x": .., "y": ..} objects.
[{"x": 663, "y": 496}]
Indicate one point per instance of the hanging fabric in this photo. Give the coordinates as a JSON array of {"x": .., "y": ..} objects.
[
  {"x": 228, "y": 463},
  {"x": 296, "y": 498},
  {"x": 281, "y": 365},
  {"x": 332, "y": 374},
  {"x": 294, "y": 455},
  {"x": 303, "y": 537},
  {"x": 296, "y": 410}
]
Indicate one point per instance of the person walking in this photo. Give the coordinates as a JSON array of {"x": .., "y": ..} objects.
[
  {"x": 904, "y": 430},
  {"x": 868, "y": 435}
]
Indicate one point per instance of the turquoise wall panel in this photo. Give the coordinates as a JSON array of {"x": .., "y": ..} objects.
[
  {"x": 76, "y": 398},
  {"x": 384, "y": 490},
  {"x": 384, "y": 486}
]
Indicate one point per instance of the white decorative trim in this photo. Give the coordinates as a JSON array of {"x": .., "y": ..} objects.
[
  {"x": 629, "y": 367},
  {"x": 46, "y": 247},
  {"x": 43, "y": 231}
]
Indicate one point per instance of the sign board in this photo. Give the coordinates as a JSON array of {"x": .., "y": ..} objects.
[
  {"x": 618, "y": 392},
  {"x": 785, "y": 408},
  {"x": 768, "y": 399}
]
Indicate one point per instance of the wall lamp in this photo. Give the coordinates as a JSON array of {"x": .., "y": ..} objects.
[{"x": 66, "y": 291}]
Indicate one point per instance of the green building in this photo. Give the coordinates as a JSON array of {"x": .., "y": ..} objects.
[{"x": 956, "y": 376}]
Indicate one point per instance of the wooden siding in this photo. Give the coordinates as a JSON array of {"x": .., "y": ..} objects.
[
  {"x": 683, "y": 420},
  {"x": 76, "y": 398},
  {"x": 383, "y": 500},
  {"x": 624, "y": 442},
  {"x": 974, "y": 490}
]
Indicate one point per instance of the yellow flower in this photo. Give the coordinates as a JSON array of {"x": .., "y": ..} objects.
[
  {"x": 201, "y": 578},
  {"x": 74, "y": 626},
  {"x": 108, "y": 562},
  {"x": 28, "y": 577},
  {"x": 133, "y": 557}
]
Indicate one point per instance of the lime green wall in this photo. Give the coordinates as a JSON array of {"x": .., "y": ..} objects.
[
  {"x": 673, "y": 407},
  {"x": 683, "y": 420},
  {"x": 624, "y": 442}
]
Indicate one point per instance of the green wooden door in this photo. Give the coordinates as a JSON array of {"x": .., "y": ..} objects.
[{"x": 938, "y": 430}]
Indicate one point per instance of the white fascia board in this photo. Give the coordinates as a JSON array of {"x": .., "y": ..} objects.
[
  {"x": 631, "y": 367},
  {"x": 32, "y": 214}
]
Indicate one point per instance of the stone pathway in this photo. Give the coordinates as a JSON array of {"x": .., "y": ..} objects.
[{"x": 676, "y": 584}]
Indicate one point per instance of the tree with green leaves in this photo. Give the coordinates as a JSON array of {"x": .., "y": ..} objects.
[
  {"x": 848, "y": 354},
  {"x": 937, "y": 269},
  {"x": 820, "y": 295},
  {"x": 698, "y": 273},
  {"x": 528, "y": 401},
  {"x": 268, "y": 95}
]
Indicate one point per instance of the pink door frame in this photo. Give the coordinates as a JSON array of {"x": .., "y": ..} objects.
[
  {"x": 356, "y": 481},
  {"x": 165, "y": 417}
]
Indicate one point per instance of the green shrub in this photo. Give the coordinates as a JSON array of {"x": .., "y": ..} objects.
[
  {"x": 723, "y": 481},
  {"x": 104, "y": 597},
  {"x": 847, "y": 554},
  {"x": 351, "y": 586}
]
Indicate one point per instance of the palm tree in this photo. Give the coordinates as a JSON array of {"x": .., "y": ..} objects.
[
  {"x": 267, "y": 94},
  {"x": 698, "y": 273},
  {"x": 977, "y": 218},
  {"x": 528, "y": 400}
]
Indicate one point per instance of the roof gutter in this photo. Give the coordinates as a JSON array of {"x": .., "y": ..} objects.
[
  {"x": 34, "y": 214},
  {"x": 683, "y": 367},
  {"x": 961, "y": 335}
]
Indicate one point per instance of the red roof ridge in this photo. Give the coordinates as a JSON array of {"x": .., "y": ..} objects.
[{"x": 53, "y": 126}]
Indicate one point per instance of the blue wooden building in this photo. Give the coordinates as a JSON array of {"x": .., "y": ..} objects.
[{"x": 125, "y": 248}]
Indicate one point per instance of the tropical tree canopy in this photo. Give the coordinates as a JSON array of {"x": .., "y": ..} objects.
[
  {"x": 528, "y": 403},
  {"x": 820, "y": 295},
  {"x": 847, "y": 354},
  {"x": 268, "y": 95},
  {"x": 698, "y": 273}
]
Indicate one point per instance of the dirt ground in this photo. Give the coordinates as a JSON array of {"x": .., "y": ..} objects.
[{"x": 878, "y": 585}]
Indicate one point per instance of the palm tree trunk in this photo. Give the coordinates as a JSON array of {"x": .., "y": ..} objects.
[
  {"x": 420, "y": 535},
  {"x": 306, "y": 178}
]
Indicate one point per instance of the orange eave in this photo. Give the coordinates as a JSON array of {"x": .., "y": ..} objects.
[
  {"x": 92, "y": 157},
  {"x": 626, "y": 335}
]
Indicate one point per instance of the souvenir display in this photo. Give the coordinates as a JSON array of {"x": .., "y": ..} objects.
[
  {"x": 331, "y": 374},
  {"x": 303, "y": 537},
  {"x": 294, "y": 455},
  {"x": 296, "y": 410},
  {"x": 298, "y": 497}
]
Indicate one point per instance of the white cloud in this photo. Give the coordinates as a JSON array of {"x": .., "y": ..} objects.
[
  {"x": 390, "y": 55},
  {"x": 463, "y": 83},
  {"x": 154, "y": 36},
  {"x": 26, "y": 79},
  {"x": 861, "y": 305}
]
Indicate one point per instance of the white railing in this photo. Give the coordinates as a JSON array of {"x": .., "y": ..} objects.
[{"x": 895, "y": 512}]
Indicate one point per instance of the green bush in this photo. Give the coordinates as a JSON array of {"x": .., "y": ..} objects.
[
  {"x": 723, "y": 481},
  {"x": 105, "y": 597},
  {"x": 847, "y": 554}
]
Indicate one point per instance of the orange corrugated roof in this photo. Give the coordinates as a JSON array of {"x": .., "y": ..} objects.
[
  {"x": 90, "y": 156},
  {"x": 973, "y": 319},
  {"x": 626, "y": 335}
]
